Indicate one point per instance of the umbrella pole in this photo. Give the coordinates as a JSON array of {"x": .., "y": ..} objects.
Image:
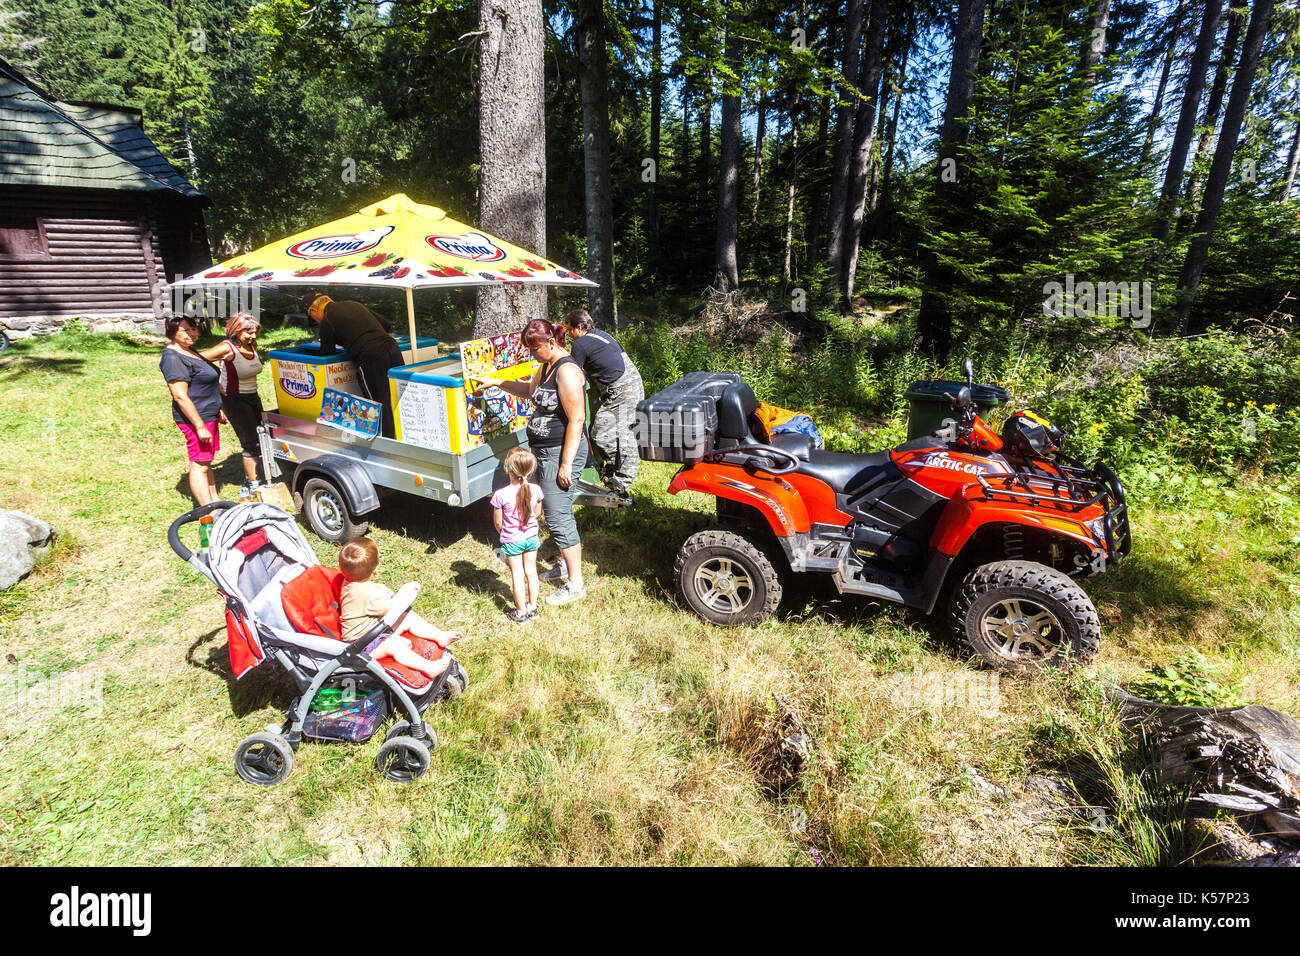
[{"x": 410, "y": 322}]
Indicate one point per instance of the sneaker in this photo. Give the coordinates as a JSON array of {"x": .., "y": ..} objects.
[
  {"x": 531, "y": 608},
  {"x": 567, "y": 593},
  {"x": 517, "y": 616},
  {"x": 556, "y": 573}
]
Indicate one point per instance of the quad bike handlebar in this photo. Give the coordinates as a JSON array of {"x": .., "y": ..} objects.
[{"x": 762, "y": 449}]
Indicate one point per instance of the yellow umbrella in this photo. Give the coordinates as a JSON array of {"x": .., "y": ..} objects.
[{"x": 394, "y": 243}]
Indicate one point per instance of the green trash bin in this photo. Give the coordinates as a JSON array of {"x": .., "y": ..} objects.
[{"x": 929, "y": 405}]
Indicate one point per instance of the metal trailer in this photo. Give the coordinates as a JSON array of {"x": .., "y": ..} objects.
[{"x": 338, "y": 478}]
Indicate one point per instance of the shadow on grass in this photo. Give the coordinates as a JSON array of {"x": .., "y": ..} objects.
[
  {"x": 258, "y": 688},
  {"x": 486, "y": 581},
  {"x": 1142, "y": 584},
  {"x": 228, "y": 471},
  {"x": 13, "y": 367},
  {"x": 641, "y": 542},
  {"x": 439, "y": 525}
]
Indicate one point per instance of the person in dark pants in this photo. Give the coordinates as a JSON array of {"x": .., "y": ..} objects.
[
  {"x": 617, "y": 384},
  {"x": 365, "y": 335}
]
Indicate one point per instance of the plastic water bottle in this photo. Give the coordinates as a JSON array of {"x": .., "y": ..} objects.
[{"x": 205, "y": 532}]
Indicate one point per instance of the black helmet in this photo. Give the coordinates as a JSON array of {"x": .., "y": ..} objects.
[{"x": 1029, "y": 435}]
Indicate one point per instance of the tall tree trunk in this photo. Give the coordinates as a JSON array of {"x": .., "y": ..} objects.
[
  {"x": 965, "y": 64},
  {"x": 759, "y": 132},
  {"x": 727, "y": 275},
  {"x": 787, "y": 267},
  {"x": 884, "y": 204},
  {"x": 837, "y": 209},
  {"x": 512, "y": 151},
  {"x": 934, "y": 318},
  {"x": 1095, "y": 45},
  {"x": 594, "y": 83},
  {"x": 1238, "y": 99},
  {"x": 1187, "y": 117},
  {"x": 1210, "y": 121},
  {"x": 817, "y": 181},
  {"x": 1292, "y": 161},
  {"x": 864, "y": 128},
  {"x": 882, "y": 125},
  {"x": 706, "y": 143},
  {"x": 1175, "y": 34},
  {"x": 779, "y": 145},
  {"x": 656, "y": 119}
]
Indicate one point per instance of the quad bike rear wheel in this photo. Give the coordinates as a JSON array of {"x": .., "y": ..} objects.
[
  {"x": 1019, "y": 616},
  {"x": 727, "y": 576}
]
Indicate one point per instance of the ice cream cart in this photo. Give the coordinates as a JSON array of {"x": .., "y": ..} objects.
[{"x": 448, "y": 442}]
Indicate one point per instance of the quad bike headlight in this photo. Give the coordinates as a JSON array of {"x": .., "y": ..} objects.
[{"x": 1098, "y": 527}]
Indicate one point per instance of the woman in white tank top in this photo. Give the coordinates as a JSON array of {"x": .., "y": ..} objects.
[{"x": 238, "y": 366}]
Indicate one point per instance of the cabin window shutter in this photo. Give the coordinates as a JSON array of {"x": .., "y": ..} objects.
[{"x": 22, "y": 237}]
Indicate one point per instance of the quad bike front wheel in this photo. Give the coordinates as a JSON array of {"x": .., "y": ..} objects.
[
  {"x": 726, "y": 576},
  {"x": 1019, "y": 616}
]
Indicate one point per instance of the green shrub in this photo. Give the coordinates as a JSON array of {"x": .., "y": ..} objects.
[{"x": 1191, "y": 681}]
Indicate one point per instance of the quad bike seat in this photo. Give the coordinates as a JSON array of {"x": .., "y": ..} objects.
[
  {"x": 843, "y": 472},
  {"x": 846, "y": 473}
]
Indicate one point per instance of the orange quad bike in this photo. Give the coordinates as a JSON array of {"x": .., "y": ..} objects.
[{"x": 997, "y": 527}]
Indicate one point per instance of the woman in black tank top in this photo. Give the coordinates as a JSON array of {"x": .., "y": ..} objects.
[
  {"x": 549, "y": 423},
  {"x": 555, "y": 434}
]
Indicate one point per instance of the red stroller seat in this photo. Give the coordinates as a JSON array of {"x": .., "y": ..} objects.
[{"x": 311, "y": 603}]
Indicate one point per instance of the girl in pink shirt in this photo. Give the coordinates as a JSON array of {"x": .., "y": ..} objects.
[{"x": 514, "y": 510}]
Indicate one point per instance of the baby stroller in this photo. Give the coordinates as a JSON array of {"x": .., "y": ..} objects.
[{"x": 281, "y": 602}]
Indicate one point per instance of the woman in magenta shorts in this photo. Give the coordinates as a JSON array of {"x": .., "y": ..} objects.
[{"x": 196, "y": 403}]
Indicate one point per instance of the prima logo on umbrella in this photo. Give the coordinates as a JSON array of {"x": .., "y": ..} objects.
[
  {"x": 332, "y": 247},
  {"x": 472, "y": 245}
]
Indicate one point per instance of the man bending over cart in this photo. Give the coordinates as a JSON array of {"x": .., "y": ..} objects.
[{"x": 365, "y": 335}]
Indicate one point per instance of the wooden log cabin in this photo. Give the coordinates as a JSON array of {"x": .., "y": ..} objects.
[{"x": 93, "y": 220}]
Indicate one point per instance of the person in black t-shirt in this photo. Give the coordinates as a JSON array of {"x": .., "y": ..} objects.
[
  {"x": 364, "y": 333},
  {"x": 196, "y": 403},
  {"x": 618, "y": 387}
]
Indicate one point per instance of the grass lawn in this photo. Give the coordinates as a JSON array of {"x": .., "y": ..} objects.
[{"x": 620, "y": 729}]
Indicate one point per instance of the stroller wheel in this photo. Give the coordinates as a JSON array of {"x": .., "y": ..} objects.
[
  {"x": 403, "y": 728},
  {"x": 457, "y": 682},
  {"x": 402, "y": 759},
  {"x": 264, "y": 759}
]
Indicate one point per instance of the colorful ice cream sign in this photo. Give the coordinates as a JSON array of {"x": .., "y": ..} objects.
[
  {"x": 332, "y": 247},
  {"x": 471, "y": 245}
]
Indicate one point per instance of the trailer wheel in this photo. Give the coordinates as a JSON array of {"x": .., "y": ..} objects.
[
  {"x": 726, "y": 576},
  {"x": 326, "y": 510},
  {"x": 1019, "y": 616}
]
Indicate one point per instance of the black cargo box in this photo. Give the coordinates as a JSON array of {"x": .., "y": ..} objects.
[{"x": 680, "y": 422}]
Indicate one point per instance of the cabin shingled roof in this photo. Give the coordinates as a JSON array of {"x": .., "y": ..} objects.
[{"x": 44, "y": 142}]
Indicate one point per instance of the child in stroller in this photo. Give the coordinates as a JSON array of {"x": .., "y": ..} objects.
[
  {"x": 281, "y": 602},
  {"x": 363, "y": 602}
]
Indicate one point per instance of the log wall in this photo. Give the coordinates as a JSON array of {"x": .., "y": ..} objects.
[{"x": 104, "y": 251}]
